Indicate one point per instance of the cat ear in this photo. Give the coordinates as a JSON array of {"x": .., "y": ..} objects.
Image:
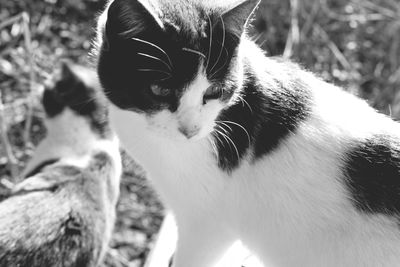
[
  {"x": 64, "y": 84},
  {"x": 237, "y": 18},
  {"x": 71, "y": 87},
  {"x": 69, "y": 79},
  {"x": 128, "y": 18},
  {"x": 67, "y": 72}
]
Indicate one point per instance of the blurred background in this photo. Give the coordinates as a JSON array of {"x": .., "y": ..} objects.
[{"x": 352, "y": 43}]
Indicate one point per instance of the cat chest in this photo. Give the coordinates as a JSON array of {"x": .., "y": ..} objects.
[{"x": 187, "y": 181}]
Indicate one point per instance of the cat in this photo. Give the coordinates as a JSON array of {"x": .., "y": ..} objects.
[
  {"x": 72, "y": 97},
  {"x": 63, "y": 213},
  {"x": 241, "y": 146}
]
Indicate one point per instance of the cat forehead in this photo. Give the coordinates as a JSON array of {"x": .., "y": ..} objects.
[
  {"x": 184, "y": 16},
  {"x": 189, "y": 18},
  {"x": 186, "y": 47}
]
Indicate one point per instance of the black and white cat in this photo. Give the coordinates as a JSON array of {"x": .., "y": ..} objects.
[
  {"x": 242, "y": 146},
  {"x": 63, "y": 213}
]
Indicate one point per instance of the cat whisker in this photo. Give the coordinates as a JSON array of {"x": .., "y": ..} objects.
[
  {"x": 220, "y": 68},
  {"x": 222, "y": 45},
  {"x": 216, "y": 136},
  {"x": 155, "y": 46},
  {"x": 222, "y": 128},
  {"x": 166, "y": 78},
  {"x": 257, "y": 37},
  {"x": 154, "y": 70},
  {"x": 240, "y": 126},
  {"x": 156, "y": 58},
  {"x": 84, "y": 103},
  {"x": 89, "y": 100},
  {"x": 107, "y": 93},
  {"x": 126, "y": 33},
  {"x": 229, "y": 141},
  {"x": 194, "y": 52},
  {"x": 219, "y": 133},
  {"x": 214, "y": 147},
  {"x": 211, "y": 35},
  {"x": 234, "y": 146},
  {"x": 226, "y": 125},
  {"x": 245, "y": 102}
]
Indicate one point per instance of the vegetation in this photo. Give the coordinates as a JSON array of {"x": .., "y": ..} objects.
[{"x": 353, "y": 43}]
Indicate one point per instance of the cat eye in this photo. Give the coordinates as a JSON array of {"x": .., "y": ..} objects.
[
  {"x": 212, "y": 92},
  {"x": 157, "y": 90}
]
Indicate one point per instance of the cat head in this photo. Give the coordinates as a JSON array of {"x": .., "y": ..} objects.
[
  {"x": 172, "y": 61},
  {"x": 76, "y": 89},
  {"x": 76, "y": 120}
]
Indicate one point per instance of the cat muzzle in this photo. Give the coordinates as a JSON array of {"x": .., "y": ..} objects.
[{"x": 189, "y": 132}]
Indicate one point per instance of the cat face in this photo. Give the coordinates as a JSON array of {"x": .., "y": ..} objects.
[
  {"x": 74, "y": 92},
  {"x": 171, "y": 61}
]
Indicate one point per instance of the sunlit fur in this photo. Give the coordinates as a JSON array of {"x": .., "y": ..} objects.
[
  {"x": 277, "y": 182},
  {"x": 63, "y": 212}
]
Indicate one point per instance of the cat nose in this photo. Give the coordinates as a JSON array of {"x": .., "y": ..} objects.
[{"x": 189, "y": 132}]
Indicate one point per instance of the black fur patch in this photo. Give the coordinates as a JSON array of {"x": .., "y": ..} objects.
[
  {"x": 268, "y": 115},
  {"x": 280, "y": 114},
  {"x": 52, "y": 104},
  {"x": 372, "y": 173}
]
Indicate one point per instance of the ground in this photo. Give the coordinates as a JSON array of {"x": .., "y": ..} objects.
[{"x": 353, "y": 43}]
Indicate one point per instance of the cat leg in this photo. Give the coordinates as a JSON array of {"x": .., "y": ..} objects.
[
  {"x": 202, "y": 245},
  {"x": 165, "y": 245}
]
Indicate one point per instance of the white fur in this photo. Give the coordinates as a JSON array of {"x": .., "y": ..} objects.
[
  {"x": 71, "y": 139},
  {"x": 290, "y": 208},
  {"x": 236, "y": 256}
]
